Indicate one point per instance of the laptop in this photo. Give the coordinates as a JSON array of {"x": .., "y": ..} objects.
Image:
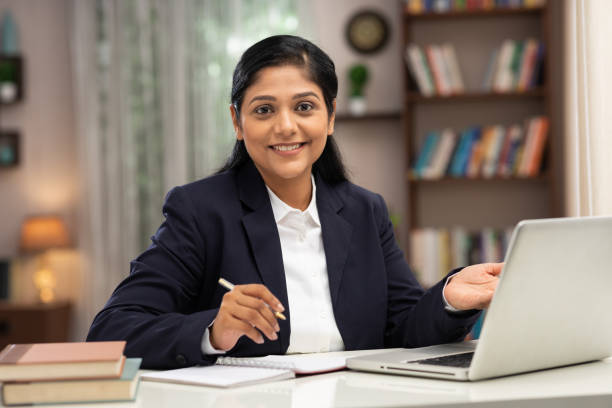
[{"x": 552, "y": 307}]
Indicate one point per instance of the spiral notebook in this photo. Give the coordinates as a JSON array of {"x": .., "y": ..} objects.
[
  {"x": 298, "y": 363},
  {"x": 237, "y": 371}
]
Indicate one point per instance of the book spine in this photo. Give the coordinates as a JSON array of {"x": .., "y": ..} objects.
[
  {"x": 436, "y": 69},
  {"x": 426, "y": 152},
  {"x": 528, "y": 147},
  {"x": 420, "y": 70},
  {"x": 487, "y": 83},
  {"x": 503, "y": 75},
  {"x": 439, "y": 162},
  {"x": 455, "y": 164},
  {"x": 539, "y": 145},
  {"x": 528, "y": 64},
  {"x": 450, "y": 56}
]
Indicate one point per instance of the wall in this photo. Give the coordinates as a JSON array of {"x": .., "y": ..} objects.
[
  {"x": 44, "y": 181},
  {"x": 374, "y": 150}
]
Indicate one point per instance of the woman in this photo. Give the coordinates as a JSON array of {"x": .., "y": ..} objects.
[{"x": 283, "y": 223}]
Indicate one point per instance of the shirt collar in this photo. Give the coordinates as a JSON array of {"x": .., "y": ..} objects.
[{"x": 281, "y": 209}]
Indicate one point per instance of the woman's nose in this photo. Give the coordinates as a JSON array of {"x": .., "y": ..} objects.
[{"x": 285, "y": 124}]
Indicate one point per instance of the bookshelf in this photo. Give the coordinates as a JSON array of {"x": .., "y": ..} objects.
[{"x": 477, "y": 203}]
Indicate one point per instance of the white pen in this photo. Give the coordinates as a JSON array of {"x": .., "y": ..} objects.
[{"x": 230, "y": 286}]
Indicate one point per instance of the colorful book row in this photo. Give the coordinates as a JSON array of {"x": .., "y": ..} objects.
[
  {"x": 445, "y": 6},
  {"x": 487, "y": 152},
  {"x": 435, "y": 252},
  {"x": 515, "y": 66},
  {"x": 435, "y": 69}
]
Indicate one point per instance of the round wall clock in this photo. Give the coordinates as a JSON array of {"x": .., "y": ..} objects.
[{"x": 367, "y": 31}]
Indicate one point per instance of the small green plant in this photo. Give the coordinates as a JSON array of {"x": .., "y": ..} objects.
[{"x": 358, "y": 75}]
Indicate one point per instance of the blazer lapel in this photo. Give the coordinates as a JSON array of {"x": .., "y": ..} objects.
[
  {"x": 263, "y": 237},
  {"x": 336, "y": 234}
]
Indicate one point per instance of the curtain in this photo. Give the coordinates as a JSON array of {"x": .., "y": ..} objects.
[
  {"x": 152, "y": 86},
  {"x": 588, "y": 106}
]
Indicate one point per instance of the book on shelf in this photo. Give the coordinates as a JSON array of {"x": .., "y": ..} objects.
[
  {"x": 444, "y": 6},
  {"x": 516, "y": 66},
  {"x": 238, "y": 371},
  {"x": 435, "y": 69},
  {"x": 75, "y": 391},
  {"x": 484, "y": 152},
  {"x": 436, "y": 251},
  {"x": 53, "y": 361},
  {"x": 417, "y": 64}
]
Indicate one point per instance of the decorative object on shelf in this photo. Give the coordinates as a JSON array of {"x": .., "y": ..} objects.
[
  {"x": 11, "y": 84},
  {"x": 9, "y": 42},
  {"x": 4, "y": 279},
  {"x": 9, "y": 148},
  {"x": 10, "y": 61},
  {"x": 358, "y": 77},
  {"x": 39, "y": 234},
  {"x": 367, "y": 31}
]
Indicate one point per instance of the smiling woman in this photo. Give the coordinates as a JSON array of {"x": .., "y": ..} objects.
[
  {"x": 281, "y": 222},
  {"x": 284, "y": 125}
]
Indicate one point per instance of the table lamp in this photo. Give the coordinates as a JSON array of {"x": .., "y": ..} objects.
[{"x": 38, "y": 235}]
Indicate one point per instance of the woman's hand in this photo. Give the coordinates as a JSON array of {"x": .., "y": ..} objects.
[
  {"x": 473, "y": 287},
  {"x": 245, "y": 311}
]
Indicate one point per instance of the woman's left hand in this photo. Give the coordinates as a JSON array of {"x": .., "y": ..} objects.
[{"x": 473, "y": 287}]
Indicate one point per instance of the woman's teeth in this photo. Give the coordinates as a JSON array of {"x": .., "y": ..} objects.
[{"x": 287, "y": 148}]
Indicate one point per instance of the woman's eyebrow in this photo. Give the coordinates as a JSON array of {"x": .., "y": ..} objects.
[
  {"x": 262, "y": 98},
  {"x": 304, "y": 94}
]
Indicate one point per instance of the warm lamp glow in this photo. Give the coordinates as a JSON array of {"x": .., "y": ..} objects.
[
  {"x": 43, "y": 232},
  {"x": 39, "y": 234}
]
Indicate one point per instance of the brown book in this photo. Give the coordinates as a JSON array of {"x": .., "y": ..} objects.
[
  {"x": 71, "y": 391},
  {"x": 53, "y": 361}
]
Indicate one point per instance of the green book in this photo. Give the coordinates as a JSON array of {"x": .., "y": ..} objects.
[{"x": 516, "y": 62}]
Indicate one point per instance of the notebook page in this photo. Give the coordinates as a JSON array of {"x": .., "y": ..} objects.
[
  {"x": 218, "y": 375},
  {"x": 298, "y": 363}
]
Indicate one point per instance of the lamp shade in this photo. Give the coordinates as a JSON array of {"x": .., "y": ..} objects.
[{"x": 39, "y": 233}]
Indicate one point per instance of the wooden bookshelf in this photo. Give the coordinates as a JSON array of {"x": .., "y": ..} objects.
[
  {"x": 453, "y": 15},
  {"x": 535, "y": 195}
]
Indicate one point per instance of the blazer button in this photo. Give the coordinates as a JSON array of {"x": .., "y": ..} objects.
[{"x": 180, "y": 359}]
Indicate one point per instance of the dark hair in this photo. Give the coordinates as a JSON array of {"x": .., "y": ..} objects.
[{"x": 289, "y": 50}]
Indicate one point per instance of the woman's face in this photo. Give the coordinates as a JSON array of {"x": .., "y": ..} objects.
[{"x": 284, "y": 123}]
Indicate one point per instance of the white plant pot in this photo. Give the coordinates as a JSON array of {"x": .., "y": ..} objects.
[{"x": 357, "y": 105}]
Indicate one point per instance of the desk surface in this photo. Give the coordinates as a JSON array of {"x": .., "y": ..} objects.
[{"x": 585, "y": 385}]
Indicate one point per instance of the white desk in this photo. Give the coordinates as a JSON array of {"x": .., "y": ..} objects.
[{"x": 583, "y": 386}]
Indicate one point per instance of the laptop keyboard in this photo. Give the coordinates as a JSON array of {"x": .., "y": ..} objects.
[{"x": 454, "y": 360}]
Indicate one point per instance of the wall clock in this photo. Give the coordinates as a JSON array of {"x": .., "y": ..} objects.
[{"x": 367, "y": 31}]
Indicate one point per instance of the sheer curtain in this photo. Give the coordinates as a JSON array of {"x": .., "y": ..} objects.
[
  {"x": 588, "y": 107},
  {"x": 152, "y": 85}
]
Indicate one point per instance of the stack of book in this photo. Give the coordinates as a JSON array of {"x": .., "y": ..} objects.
[
  {"x": 436, "y": 251},
  {"x": 516, "y": 66},
  {"x": 435, "y": 69},
  {"x": 48, "y": 373},
  {"x": 487, "y": 152},
  {"x": 445, "y": 6}
]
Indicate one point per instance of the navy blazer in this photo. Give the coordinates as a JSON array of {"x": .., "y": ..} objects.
[{"x": 223, "y": 226}]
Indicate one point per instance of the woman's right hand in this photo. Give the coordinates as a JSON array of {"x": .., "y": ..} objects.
[{"x": 244, "y": 311}]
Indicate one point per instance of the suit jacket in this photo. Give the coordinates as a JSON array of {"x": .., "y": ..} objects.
[{"x": 223, "y": 226}]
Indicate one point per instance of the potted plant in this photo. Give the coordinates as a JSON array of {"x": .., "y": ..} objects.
[{"x": 358, "y": 77}]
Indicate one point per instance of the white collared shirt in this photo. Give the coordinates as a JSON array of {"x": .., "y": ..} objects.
[{"x": 313, "y": 326}]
